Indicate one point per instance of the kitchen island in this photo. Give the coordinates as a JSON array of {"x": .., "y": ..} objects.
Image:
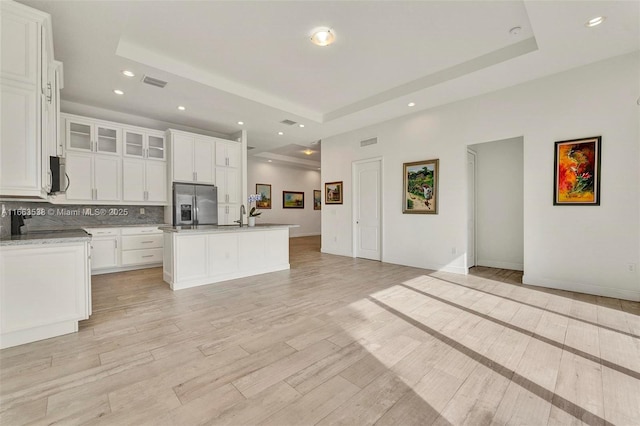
[{"x": 199, "y": 255}]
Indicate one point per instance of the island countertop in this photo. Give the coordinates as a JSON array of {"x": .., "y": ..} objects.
[{"x": 213, "y": 229}]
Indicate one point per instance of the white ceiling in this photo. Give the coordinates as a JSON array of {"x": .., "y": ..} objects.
[{"x": 252, "y": 61}]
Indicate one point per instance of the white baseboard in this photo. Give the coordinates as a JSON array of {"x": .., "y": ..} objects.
[
  {"x": 125, "y": 268},
  {"x": 618, "y": 293},
  {"x": 501, "y": 265},
  {"x": 310, "y": 234},
  {"x": 225, "y": 277}
]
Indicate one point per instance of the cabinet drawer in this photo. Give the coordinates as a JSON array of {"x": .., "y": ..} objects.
[
  {"x": 137, "y": 242},
  {"x": 102, "y": 232},
  {"x": 139, "y": 257},
  {"x": 141, "y": 230}
]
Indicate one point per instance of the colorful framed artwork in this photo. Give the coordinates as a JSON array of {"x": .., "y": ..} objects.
[
  {"x": 333, "y": 193},
  {"x": 576, "y": 173},
  {"x": 420, "y": 183},
  {"x": 292, "y": 200},
  {"x": 317, "y": 199},
  {"x": 263, "y": 189}
]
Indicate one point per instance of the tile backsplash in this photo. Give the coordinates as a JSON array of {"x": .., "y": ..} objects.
[{"x": 60, "y": 216}]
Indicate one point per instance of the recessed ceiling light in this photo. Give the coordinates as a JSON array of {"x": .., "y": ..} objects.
[
  {"x": 270, "y": 161},
  {"x": 281, "y": 133},
  {"x": 241, "y": 122},
  {"x": 308, "y": 152},
  {"x": 318, "y": 168},
  {"x": 410, "y": 104},
  {"x": 128, "y": 73},
  {"x": 300, "y": 125},
  {"x": 322, "y": 37},
  {"x": 118, "y": 92},
  {"x": 595, "y": 21},
  {"x": 181, "y": 108}
]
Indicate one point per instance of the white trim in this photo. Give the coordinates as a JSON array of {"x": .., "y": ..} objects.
[
  {"x": 125, "y": 268},
  {"x": 633, "y": 295},
  {"x": 501, "y": 265},
  {"x": 475, "y": 210},
  {"x": 308, "y": 234}
]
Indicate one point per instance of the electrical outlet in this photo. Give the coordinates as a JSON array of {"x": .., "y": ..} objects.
[
  {"x": 454, "y": 250},
  {"x": 141, "y": 210},
  {"x": 335, "y": 239},
  {"x": 632, "y": 267}
]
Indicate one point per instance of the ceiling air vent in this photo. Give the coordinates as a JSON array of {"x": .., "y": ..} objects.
[
  {"x": 154, "y": 81},
  {"x": 371, "y": 141},
  {"x": 250, "y": 147},
  {"x": 288, "y": 122}
]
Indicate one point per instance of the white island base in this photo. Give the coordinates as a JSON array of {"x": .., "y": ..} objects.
[{"x": 210, "y": 254}]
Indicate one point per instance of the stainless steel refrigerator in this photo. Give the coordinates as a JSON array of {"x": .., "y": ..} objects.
[{"x": 195, "y": 204}]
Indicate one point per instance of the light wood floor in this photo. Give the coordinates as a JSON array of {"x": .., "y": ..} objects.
[{"x": 333, "y": 341}]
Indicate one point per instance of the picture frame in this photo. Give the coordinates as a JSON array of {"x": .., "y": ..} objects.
[
  {"x": 333, "y": 192},
  {"x": 317, "y": 199},
  {"x": 576, "y": 172},
  {"x": 420, "y": 187},
  {"x": 263, "y": 189},
  {"x": 292, "y": 200}
]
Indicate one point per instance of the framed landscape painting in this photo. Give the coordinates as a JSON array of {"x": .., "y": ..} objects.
[
  {"x": 292, "y": 200},
  {"x": 317, "y": 199},
  {"x": 264, "y": 190},
  {"x": 333, "y": 193},
  {"x": 577, "y": 172},
  {"x": 420, "y": 187}
]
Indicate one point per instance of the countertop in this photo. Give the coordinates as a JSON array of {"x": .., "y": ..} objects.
[
  {"x": 46, "y": 237},
  {"x": 213, "y": 229}
]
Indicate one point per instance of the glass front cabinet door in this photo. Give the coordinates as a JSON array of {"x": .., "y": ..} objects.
[
  {"x": 141, "y": 144},
  {"x": 88, "y": 136}
]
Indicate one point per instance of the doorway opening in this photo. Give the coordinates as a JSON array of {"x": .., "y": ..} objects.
[{"x": 495, "y": 182}]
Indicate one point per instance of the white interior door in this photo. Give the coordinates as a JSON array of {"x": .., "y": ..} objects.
[
  {"x": 471, "y": 209},
  {"x": 368, "y": 209}
]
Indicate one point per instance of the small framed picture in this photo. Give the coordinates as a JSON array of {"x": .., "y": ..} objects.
[
  {"x": 576, "y": 173},
  {"x": 263, "y": 189},
  {"x": 333, "y": 193},
  {"x": 420, "y": 187},
  {"x": 292, "y": 200},
  {"x": 317, "y": 199}
]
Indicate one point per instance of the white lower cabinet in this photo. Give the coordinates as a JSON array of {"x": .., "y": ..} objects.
[
  {"x": 119, "y": 249},
  {"x": 46, "y": 290},
  {"x": 193, "y": 259}
]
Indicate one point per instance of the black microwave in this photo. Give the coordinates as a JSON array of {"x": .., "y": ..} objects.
[{"x": 59, "y": 177}]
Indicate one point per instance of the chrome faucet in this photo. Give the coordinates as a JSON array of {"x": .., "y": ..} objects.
[{"x": 242, "y": 213}]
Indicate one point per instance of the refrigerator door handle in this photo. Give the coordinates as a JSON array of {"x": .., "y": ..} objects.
[{"x": 195, "y": 210}]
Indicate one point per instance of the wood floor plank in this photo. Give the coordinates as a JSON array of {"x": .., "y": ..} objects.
[{"x": 333, "y": 340}]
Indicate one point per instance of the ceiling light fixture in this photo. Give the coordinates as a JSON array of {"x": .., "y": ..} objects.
[
  {"x": 322, "y": 37},
  {"x": 281, "y": 133},
  {"x": 308, "y": 152},
  {"x": 118, "y": 92},
  {"x": 270, "y": 161},
  {"x": 595, "y": 21},
  {"x": 241, "y": 122},
  {"x": 128, "y": 73},
  {"x": 181, "y": 108},
  {"x": 301, "y": 125},
  {"x": 411, "y": 104}
]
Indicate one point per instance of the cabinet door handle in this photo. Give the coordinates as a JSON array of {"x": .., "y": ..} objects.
[
  {"x": 146, "y": 242},
  {"x": 149, "y": 255},
  {"x": 194, "y": 176},
  {"x": 116, "y": 241},
  {"x": 50, "y": 95},
  {"x": 96, "y": 193}
]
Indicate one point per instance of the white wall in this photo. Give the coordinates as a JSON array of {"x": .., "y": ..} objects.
[
  {"x": 282, "y": 178},
  {"x": 499, "y": 204},
  {"x": 585, "y": 249}
]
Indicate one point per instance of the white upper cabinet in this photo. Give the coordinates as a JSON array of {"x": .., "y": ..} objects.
[
  {"x": 144, "y": 181},
  {"x": 139, "y": 143},
  {"x": 93, "y": 177},
  {"x": 228, "y": 153},
  {"x": 26, "y": 129},
  {"x": 192, "y": 158},
  {"x": 92, "y": 136}
]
